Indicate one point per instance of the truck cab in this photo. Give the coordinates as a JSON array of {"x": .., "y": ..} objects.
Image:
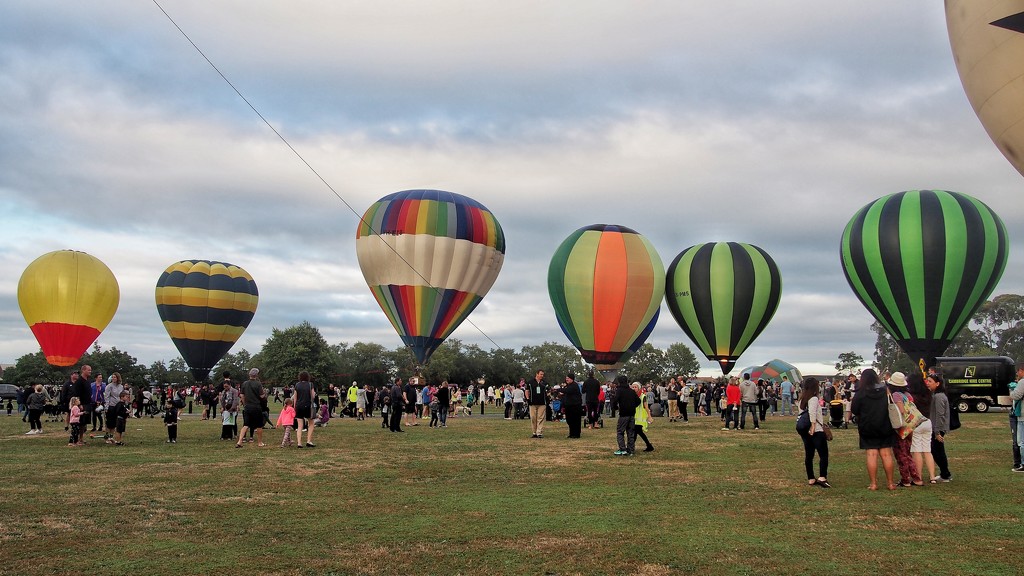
[{"x": 977, "y": 383}]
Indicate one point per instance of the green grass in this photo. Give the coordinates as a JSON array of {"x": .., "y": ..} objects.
[{"x": 482, "y": 497}]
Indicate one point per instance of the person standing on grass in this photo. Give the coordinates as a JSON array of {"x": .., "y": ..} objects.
[
  {"x": 592, "y": 397},
  {"x": 626, "y": 403},
  {"x": 748, "y": 394},
  {"x": 537, "y": 396},
  {"x": 228, "y": 408},
  {"x": 111, "y": 396},
  {"x": 171, "y": 422},
  {"x": 409, "y": 392},
  {"x": 119, "y": 415},
  {"x": 910, "y": 474},
  {"x": 96, "y": 401},
  {"x": 36, "y": 402},
  {"x": 519, "y": 400},
  {"x": 443, "y": 396},
  {"x": 684, "y": 399},
  {"x": 1017, "y": 396},
  {"x": 572, "y": 402},
  {"x": 814, "y": 439},
  {"x": 397, "y": 406},
  {"x": 643, "y": 416},
  {"x": 939, "y": 416},
  {"x": 74, "y": 416},
  {"x": 303, "y": 396},
  {"x": 921, "y": 438},
  {"x": 287, "y": 419},
  {"x": 870, "y": 407},
  {"x": 733, "y": 397},
  {"x": 252, "y": 411},
  {"x": 786, "y": 389},
  {"x": 83, "y": 391}
]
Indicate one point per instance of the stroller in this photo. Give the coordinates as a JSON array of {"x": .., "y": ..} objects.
[
  {"x": 324, "y": 417},
  {"x": 835, "y": 414}
]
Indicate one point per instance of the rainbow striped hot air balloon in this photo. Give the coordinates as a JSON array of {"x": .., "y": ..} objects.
[
  {"x": 205, "y": 307},
  {"x": 605, "y": 284},
  {"x": 922, "y": 262},
  {"x": 67, "y": 299},
  {"x": 429, "y": 257},
  {"x": 723, "y": 294}
]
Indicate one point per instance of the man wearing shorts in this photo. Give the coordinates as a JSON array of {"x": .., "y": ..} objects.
[{"x": 252, "y": 410}]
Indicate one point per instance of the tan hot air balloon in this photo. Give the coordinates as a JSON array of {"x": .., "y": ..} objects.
[{"x": 987, "y": 37}]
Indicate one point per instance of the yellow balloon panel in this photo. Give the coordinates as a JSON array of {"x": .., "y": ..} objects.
[{"x": 987, "y": 38}]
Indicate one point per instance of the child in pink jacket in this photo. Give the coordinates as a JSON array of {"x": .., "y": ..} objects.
[{"x": 287, "y": 419}]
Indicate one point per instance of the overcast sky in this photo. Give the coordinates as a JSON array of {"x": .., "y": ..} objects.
[{"x": 770, "y": 123}]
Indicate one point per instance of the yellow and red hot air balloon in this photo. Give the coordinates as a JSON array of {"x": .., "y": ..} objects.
[{"x": 67, "y": 298}]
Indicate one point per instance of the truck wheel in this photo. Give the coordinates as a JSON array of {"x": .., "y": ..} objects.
[
  {"x": 963, "y": 406},
  {"x": 981, "y": 406}
]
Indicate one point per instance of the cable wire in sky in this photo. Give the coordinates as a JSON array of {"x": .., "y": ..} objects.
[{"x": 307, "y": 164}]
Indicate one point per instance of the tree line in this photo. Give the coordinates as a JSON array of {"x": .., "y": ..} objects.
[{"x": 303, "y": 348}]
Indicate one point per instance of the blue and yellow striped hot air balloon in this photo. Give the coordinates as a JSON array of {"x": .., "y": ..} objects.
[
  {"x": 205, "y": 307},
  {"x": 723, "y": 294},
  {"x": 922, "y": 262},
  {"x": 429, "y": 257}
]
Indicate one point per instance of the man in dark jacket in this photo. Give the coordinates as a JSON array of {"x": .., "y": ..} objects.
[
  {"x": 592, "y": 396},
  {"x": 397, "y": 407},
  {"x": 626, "y": 401},
  {"x": 572, "y": 402}
]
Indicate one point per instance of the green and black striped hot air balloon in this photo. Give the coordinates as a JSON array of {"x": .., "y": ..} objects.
[
  {"x": 922, "y": 262},
  {"x": 205, "y": 306},
  {"x": 723, "y": 294}
]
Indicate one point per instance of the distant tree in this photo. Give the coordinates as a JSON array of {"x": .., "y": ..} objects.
[
  {"x": 237, "y": 364},
  {"x": 293, "y": 350},
  {"x": 505, "y": 367},
  {"x": 648, "y": 364},
  {"x": 364, "y": 363},
  {"x": 849, "y": 362},
  {"x": 178, "y": 372},
  {"x": 34, "y": 369},
  {"x": 157, "y": 372},
  {"x": 680, "y": 361},
  {"x": 106, "y": 362},
  {"x": 556, "y": 360}
]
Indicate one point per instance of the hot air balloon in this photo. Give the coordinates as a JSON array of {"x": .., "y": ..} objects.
[
  {"x": 775, "y": 369},
  {"x": 67, "y": 298},
  {"x": 987, "y": 37},
  {"x": 922, "y": 262},
  {"x": 723, "y": 294},
  {"x": 605, "y": 286},
  {"x": 205, "y": 307},
  {"x": 429, "y": 257}
]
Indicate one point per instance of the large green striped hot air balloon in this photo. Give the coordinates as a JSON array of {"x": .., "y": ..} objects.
[
  {"x": 922, "y": 262},
  {"x": 605, "y": 285},
  {"x": 205, "y": 306},
  {"x": 723, "y": 294}
]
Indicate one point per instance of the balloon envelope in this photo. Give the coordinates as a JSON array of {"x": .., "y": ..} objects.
[
  {"x": 67, "y": 299},
  {"x": 429, "y": 257},
  {"x": 922, "y": 262},
  {"x": 205, "y": 307},
  {"x": 723, "y": 294},
  {"x": 987, "y": 38},
  {"x": 605, "y": 284}
]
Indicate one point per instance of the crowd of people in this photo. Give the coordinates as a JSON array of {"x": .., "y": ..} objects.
[{"x": 902, "y": 420}]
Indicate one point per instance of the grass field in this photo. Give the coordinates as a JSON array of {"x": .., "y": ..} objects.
[{"x": 482, "y": 497}]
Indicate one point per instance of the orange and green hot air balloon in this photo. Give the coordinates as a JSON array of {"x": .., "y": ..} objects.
[
  {"x": 67, "y": 298},
  {"x": 606, "y": 283}
]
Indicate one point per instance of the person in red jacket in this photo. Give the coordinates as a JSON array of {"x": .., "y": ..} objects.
[{"x": 732, "y": 404}]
